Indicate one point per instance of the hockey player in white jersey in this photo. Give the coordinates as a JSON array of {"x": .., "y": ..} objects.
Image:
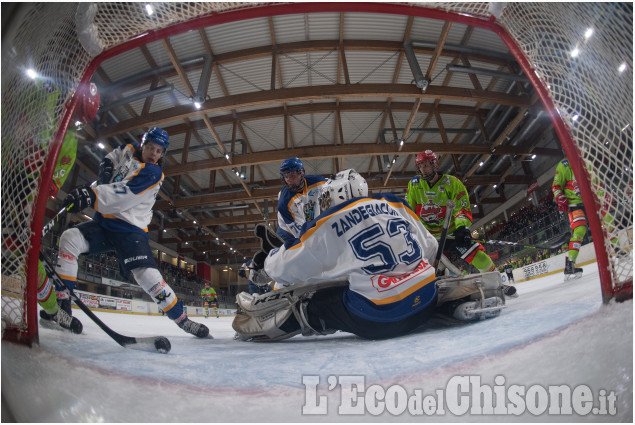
[
  {"x": 129, "y": 180},
  {"x": 298, "y": 199},
  {"x": 364, "y": 267}
]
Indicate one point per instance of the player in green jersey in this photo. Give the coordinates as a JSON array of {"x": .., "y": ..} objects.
[
  {"x": 209, "y": 296},
  {"x": 427, "y": 195},
  {"x": 567, "y": 195}
]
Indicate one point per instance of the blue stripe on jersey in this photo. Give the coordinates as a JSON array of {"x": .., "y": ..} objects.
[
  {"x": 147, "y": 177},
  {"x": 117, "y": 225},
  {"x": 413, "y": 303}
]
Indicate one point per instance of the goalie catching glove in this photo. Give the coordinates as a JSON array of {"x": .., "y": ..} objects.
[{"x": 80, "y": 198}]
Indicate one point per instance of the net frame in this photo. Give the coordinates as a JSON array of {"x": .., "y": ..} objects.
[{"x": 124, "y": 26}]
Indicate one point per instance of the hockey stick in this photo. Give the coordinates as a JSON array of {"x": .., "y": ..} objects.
[
  {"x": 449, "y": 208},
  {"x": 153, "y": 343},
  {"x": 555, "y": 244}
]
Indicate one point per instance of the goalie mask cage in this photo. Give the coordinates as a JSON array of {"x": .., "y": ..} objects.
[{"x": 589, "y": 100}]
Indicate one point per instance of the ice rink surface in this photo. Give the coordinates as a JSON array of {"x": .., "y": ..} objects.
[{"x": 556, "y": 333}]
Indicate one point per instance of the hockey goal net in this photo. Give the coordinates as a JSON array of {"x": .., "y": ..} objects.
[{"x": 584, "y": 82}]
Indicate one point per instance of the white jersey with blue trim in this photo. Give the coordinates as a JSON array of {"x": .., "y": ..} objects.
[
  {"x": 377, "y": 243},
  {"x": 297, "y": 208},
  {"x": 125, "y": 204}
]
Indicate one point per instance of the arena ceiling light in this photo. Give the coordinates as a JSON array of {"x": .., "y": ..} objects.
[
  {"x": 149, "y": 9},
  {"x": 33, "y": 75},
  {"x": 622, "y": 67}
]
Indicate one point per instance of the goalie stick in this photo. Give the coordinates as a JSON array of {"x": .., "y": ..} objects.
[{"x": 152, "y": 343}]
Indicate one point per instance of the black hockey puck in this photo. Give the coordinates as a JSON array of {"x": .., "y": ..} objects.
[{"x": 162, "y": 344}]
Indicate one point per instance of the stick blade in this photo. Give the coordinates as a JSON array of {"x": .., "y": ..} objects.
[{"x": 151, "y": 344}]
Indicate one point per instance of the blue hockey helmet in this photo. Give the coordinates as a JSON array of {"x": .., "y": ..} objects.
[
  {"x": 291, "y": 164},
  {"x": 288, "y": 166},
  {"x": 156, "y": 135}
]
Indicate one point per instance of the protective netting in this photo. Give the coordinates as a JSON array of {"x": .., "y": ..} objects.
[{"x": 592, "y": 96}]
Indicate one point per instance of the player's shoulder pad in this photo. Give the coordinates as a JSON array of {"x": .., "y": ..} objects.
[
  {"x": 313, "y": 179},
  {"x": 565, "y": 162},
  {"x": 154, "y": 171},
  {"x": 415, "y": 179}
]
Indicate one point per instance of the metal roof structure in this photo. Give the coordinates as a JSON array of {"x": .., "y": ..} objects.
[{"x": 337, "y": 89}]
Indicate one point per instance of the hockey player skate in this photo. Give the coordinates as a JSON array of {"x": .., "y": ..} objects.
[
  {"x": 471, "y": 297},
  {"x": 277, "y": 315},
  {"x": 571, "y": 272},
  {"x": 197, "y": 329},
  {"x": 61, "y": 319}
]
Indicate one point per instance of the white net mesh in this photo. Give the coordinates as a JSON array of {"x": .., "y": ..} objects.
[{"x": 593, "y": 97}]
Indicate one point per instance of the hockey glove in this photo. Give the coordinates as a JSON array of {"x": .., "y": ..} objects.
[
  {"x": 106, "y": 168},
  {"x": 241, "y": 273},
  {"x": 462, "y": 237},
  {"x": 80, "y": 198},
  {"x": 563, "y": 202}
]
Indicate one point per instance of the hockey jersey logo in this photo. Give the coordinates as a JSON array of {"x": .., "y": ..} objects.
[
  {"x": 385, "y": 283},
  {"x": 430, "y": 212}
]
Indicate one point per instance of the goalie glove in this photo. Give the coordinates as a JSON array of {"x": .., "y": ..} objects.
[
  {"x": 106, "y": 168},
  {"x": 462, "y": 237},
  {"x": 80, "y": 198},
  {"x": 563, "y": 202}
]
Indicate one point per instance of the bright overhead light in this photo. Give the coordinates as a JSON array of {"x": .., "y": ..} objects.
[
  {"x": 31, "y": 73},
  {"x": 194, "y": 221},
  {"x": 197, "y": 105},
  {"x": 575, "y": 117},
  {"x": 622, "y": 67},
  {"x": 588, "y": 33},
  {"x": 481, "y": 164},
  {"x": 100, "y": 145},
  {"x": 575, "y": 52},
  {"x": 149, "y": 9},
  {"x": 164, "y": 230},
  {"x": 78, "y": 123},
  {"x": 533, "y": 156},
  {"x": 495, "y": 186}
]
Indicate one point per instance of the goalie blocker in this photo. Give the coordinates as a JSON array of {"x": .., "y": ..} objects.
[{"x": 300, "y": 309}]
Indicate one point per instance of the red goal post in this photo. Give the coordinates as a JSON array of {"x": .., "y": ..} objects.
[{"x": 587, "y": 97}]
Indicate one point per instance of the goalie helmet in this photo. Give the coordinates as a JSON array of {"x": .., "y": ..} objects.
[{"x": 346, "y": 185}]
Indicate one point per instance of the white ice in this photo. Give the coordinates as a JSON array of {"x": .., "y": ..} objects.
[{"x": 555, "y": 333}]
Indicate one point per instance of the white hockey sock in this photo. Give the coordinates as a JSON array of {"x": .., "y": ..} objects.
[{"x": 152, "y": 282}]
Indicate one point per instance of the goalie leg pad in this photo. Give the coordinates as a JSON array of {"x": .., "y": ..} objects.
[
  {"x": 476, "y": 286},
  {"x": 263, "y": 317},
  {"x": 260, "y": 319}
]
